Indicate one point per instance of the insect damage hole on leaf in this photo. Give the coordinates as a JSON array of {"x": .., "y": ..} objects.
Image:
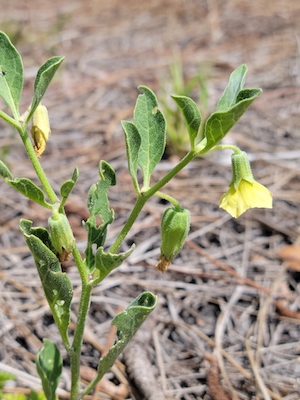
[{"x": 154, "y": 110}]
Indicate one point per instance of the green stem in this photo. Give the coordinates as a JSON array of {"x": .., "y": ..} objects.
[
  {"x": 32, "y": 156},
  {"x": 169, "y": 198},
  {"x": 10, "y": 120},
  {"x": 80, "y": 265},
  {"x": 93, "y": 383},
  {"x": 37, "y": 166},
  {"x": 84, "y": 305},
  {"x": 133, "y": 216},
  {"x": 146, "y": 195},
  {"x": 235, "y": 149}
]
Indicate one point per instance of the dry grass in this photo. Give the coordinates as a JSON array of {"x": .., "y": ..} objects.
[{"x": 219, "y": 331}]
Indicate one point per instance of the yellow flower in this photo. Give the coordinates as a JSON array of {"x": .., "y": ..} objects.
[
  {"x": 247, "y": 195},
  {"x": 244, "y": 192},
  {"x": 40, "y": 130}
]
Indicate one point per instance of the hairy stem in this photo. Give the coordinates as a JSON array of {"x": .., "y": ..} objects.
[
  {"x": 84, "y": 306},
  {"x": 37, "y": 166},
  {"x": 144, "y": 196}
]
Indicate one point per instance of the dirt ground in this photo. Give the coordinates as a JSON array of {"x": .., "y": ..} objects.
[{"x": 227, "y": 321}]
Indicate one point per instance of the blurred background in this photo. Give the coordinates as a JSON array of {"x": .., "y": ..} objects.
[{"x": 207, "y": 315}]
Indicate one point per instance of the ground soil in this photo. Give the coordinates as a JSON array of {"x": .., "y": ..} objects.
[{"x": 227, "y": 321}]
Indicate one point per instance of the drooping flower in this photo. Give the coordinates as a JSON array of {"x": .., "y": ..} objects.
[
  {"x": 40, "y": 130},
  {"x": 244, "y": 192}
]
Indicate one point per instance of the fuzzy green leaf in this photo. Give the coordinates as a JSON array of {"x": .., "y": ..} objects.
[
  {"x": 191, "y": 114},
  {"x": 127, "y": 323},
  {"x": 151, "y": 124},
  {"x": 29, "y": 189},
  {"x": 4, "y": 171},
  {"x": 235, "y": 85},
  {"x": 133, "y": 143},
  {"x": 96, "y": 236},
  {"x": 56, "y": 284},
  {"x": 106, "y": 262},
  {"x": 43, "y": 78},
  {"x": 219, "y": 123},
  {"x": 11, "y": 74},
  {"x": 232, "y": 105},
  {"x": 68, "y": 185},
  {"x": 97, "y": 198},
  {"x": 49, "y": 367},
  {"x": 98, "y": 204}
]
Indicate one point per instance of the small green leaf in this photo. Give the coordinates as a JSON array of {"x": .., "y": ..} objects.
[
  {"x": 96, "y": 236},
  {"x": 4, "y": 171},
  {"x": 191, "y": 114},
  {"x": 151, "y": 125},
  {"x": 133, "y": 143},
  {"x": 235, "y": 85},
  {"x": 232, "y": 105},
  {"x": 43, "y": 78},
  {"x": 219, "y": 123},
  {"x": 97, "y": 197},
  {"x": 68, "y": 185},
  {"x": 98, "y": 204},
  {"x": 29, "y": 189},
  {"x": 49, "y": 367},
  {"x": 11, "y": 74},
  {"x": 106, "y": 262},
  {"x": 127, "y": 323},
  {"x": 56, "y": 284}
]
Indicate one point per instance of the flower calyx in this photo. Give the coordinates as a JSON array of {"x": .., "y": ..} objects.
[
  {"x": 175, "y": 226},
  {"x": 61, "y": 234}
]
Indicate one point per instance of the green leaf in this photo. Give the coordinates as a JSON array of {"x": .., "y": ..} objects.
[
  {"x": 49, "y": 367},
  {"x": 98, "y": 204},
  {"x": 232, "y": 105},
  {"x": 133, "y": 143},
  {"x": 56, "y": 284},
  {"x": 127, "y": 323},
  {"x": 235, "y": 85},
  {"x": 4, "y": 171},
  {"x": 29, "y": 189},
  {"x": 97, "y": 198},
  {"x": 151, "y": 125},
  {"x": 96, "y": 236},
  {"x": 43, "y": 78},
  {"x": 191, "y": 114},
  {"x": 219, "y": 123},
  {"x": 11, "y": 74},
  {"x": 67, "y": 186},
  {"x": 106, "y": 262}
]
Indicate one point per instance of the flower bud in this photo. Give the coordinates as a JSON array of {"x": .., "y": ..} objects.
[
  {"x": 40, "y": 130},
  {"x": 61, "y": 234},
  {"x": 175, "y": 226}
]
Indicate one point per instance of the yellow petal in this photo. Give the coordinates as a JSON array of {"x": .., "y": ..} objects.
[
  {"x": 40, "y": 130},
  {"x": 247, "y": 195}
]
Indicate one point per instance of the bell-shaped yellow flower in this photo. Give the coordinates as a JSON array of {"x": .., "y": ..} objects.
[{"x": 244, "y": 192}]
